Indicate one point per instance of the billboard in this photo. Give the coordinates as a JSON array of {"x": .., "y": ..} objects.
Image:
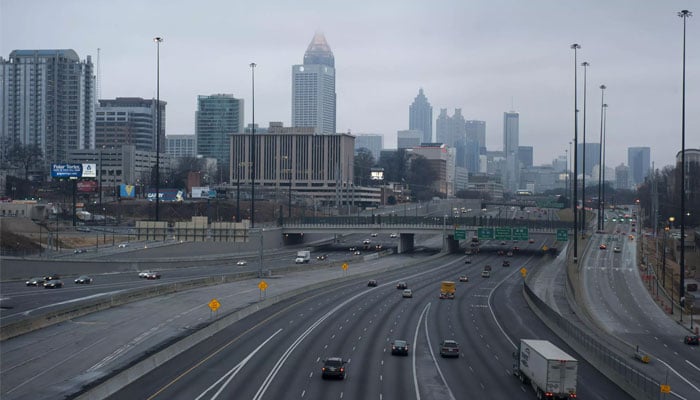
[
  {"x": 166, "y": 194},
  {"x": 128, "y": 191},
  {"x": 87, "y": 186},
  {"x": 200, "y": 192},
  {"x": 73, "y": 171}
]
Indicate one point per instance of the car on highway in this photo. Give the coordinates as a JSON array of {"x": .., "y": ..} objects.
[
  {"x": 83, "y": 279},
  {"x": 485, "y": 274},
  {"x": 693, "y": 340},
  {"x": 394, "y": 235},
  {"x": 378, "y": 247},
  {"x": 50, "y": 277},
  {"x": 82, "y": 229},
  {"x": 322, "y": 257},
  {"x": 35, "y": 282},
  {"x": 357, "y": 252},
  {"x": 531, "y": 241},
  {"x": 333, "y": 367},
  {"x": 401, "y": 285},
  {"x": 617, "y": 249},
  {"x": 144, "y": 274},
  {"x": 449, "y": 348},
  {"x": 510, "y": 253},
  {"x": 407, "y": 293},
  {"x": 399, "y": 347},
  {"x": 123, "y": 245},
  {"x": 153, "y": 275},
  {"x": 372, "y": 283},
  {"x": 366, "y": 241},
  {"x": 468, "y": 260},
  {"x": 352, "y": 248},
  {"x": 373, "y": 234},
  {"x": 53, "y": 284},
  {"x": 506, "y": 263},
  {"x": 487, "y": 267},
  {"x": 241, "y": 263},
  {"x": 463, "y": 278},
  {"x": 603, "y": 246},
  {"x": 79, "y": 251},
  {"x": 468, "y": 252}
]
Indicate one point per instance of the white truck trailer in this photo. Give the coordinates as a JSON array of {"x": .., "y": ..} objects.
[
  {"x": 551, "y": 371},
  {"x": 303, "y": 256}
]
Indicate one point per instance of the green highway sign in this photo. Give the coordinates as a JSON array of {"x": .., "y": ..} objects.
[
  {"x": 521, "y": 234},
  {"x": 484, "y": 233},
  {"x": 562, "y": 235},
  {"x": 460, "y": 234},
  {"x": 504, "y": 233}
]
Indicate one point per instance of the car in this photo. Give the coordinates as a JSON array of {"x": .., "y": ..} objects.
[
  {"x": 357, "y": 252},
  {"x": 449, "y": 348},
  {"x": 153, "y": 275},
  {"x": 531, "y": 241},
  {"x": 241, "y": 263},
  {"x": 82, "y": 229},
  {"x": 399, "y": 347},
  {"x": 634, "y": 230},
  {"x": 468, "y": 260},
  {"x": 53, "y": 284},
  {"x": 123, "y": 245},
  {"x": 468, "y": 252},
  {"x": 463, "y": 278},
  {"x": 487, "y": 267},
  {"x": 603, "y": 246},
  {"x": 322, "y": 257},
  {"x": 506, "y": 263},
  {"x": 378, "y": 247},
  {"x": 366, "y": 241},
  {"x": 631, "y": 237},
  {"x": 485, "y": 274},
  {"x": 83, "y": 279},
  {"x": 501, "y": 253},
  {"x": 333, "y": 367},
  {"x": 407, "y": 293},
  {"x": 35, "y": 282},
  {"x": 693, "y": 340},
  {"x": 372, "y": 283},
  {"x": 144, "y": 274},
  {"x": 394, "y": 235},
  {"x": 617, "y": 249},
  {"x": 352, "y": 249},
  {"x": 50, "y": 277},
  {"x": 373, "y": 234},
  {"x": 401, "y": 285},
  {"x": 79, "y": 251},
  {"x": 503, "y": 243},
  {"x": 509, "y": 254}
]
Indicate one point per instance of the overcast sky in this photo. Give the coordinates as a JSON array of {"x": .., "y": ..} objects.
[{"x": 483, "y": 56}]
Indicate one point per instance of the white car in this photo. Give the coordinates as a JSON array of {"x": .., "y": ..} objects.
[
  {"x": 123, "y": 245},
  {"x": 366, "y": 241},
  {"x": 394, "y": 235},
  {"x": 144, "y": 274},
  {"x": 241, "y": 263},
  {"x": 407, "y": 293},
  {"x": 373, "y": 234}
]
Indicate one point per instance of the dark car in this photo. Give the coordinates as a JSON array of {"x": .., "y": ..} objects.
[
  {"x": 372, "y": 283},
  {"x": 51, "y": 277},
  {"x": 35, "y": 282},
  {"x": 693, "y": 340},
  {"x": 333, "y": 367},
  {"x": 487, "y": 267},
  {"x": 449, "y": 348},
  {"x": 506, "y": 263},
  {"x": 79, "y": 251},
  {"x": 402, "y": 285},
  {"x": 468, "y": 260},
  {"x": 322, "y": 257},
  {"x": 399, "y": 347},
  {"x": 83, "y": 279},
  {"x": 53, "y": 284},
  {"x": 153, "y": 275}
]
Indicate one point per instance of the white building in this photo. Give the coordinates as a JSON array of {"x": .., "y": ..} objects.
[{"x": 313, "y": 89}]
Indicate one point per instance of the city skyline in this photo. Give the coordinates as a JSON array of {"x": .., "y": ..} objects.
[{"x": 483, "y": 68}]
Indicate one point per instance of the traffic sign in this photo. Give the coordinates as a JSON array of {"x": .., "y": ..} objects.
[
  {"x": 665, "y": 388},
  {"x": 562, "y": 235},
  {"x": 523, "y": 272},
  {"x": 484, "y": 233},
  {"x": 521, "y": 234},
  {"x": 460, "y": 234},
  {"x": 345, "y": 266},
  {"x": 262, "y": 285},
  {"x": 504, "y": 233},
  {"x": 214, "y": 304}
]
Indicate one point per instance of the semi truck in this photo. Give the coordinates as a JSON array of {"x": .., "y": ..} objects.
[
  {"x": 447, "y": 290},
  {"x": 549, "y": 370},
  {"x": 303, "y": 256}
]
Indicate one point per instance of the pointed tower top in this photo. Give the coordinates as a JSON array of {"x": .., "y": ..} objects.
[{"x": 319, "y": 52}]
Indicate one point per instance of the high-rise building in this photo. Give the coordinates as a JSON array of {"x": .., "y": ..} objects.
[
  {"x": 129, "y": 121},
  {"x": 408, "y": 139},
  {"x": 525, "y": 156},
  {"x": 47, "y": 98},
  {"x": 639, "y": 161},
  {"x": 476, "y": 131},
  {"x": 450, "y": 130},
  {"x": 622, "y": 175},
  {"x": 313, "y": 88},
  {"x": 592, "y": 159},
  {"x": 179, "y": 146},
  {"x": 372, "y": 142},
  {"x": 420, "y": 117},
  {"x": 510, "y": 150},
  {"x": 217, "y": 118}
]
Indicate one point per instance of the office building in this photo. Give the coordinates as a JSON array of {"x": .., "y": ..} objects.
[
  {"x": 450, "y": 129},
  {"x": 592, "y": 159},
  {"x": 510, "y": 150},
  {"x": 180, "y": 146},
  {"x": 476, "y": 131},
  {"x": 639, "y": 161},
  {"x": 217, "y": 117},
  {"x": 129, "y": 121},
  {"x": 313, "y": 89},
  {"x": 408, "y": 139},
  {"x": 420, "y": 117},
  {"x": 441, "y": 159},
  {"x": 525, "y": 156},
  {"x": 372, "y": 142},
  {"x": 622, "y": 177},
  {"x": 47, "y": 98}
]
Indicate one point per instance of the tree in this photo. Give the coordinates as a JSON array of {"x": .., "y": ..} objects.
[
  {"x": 395, "y": 165},
  {"x": 364, "y": 161},
  {"x": 25, "y": 157},
  {"x": 421, "y": 177}
]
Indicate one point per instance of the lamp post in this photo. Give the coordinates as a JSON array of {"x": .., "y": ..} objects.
[
  {"x": 575, "y": 47},
  {"x": 600, "y": 161},
  {"x": 252, "y": 151},
  {"x": 602, "y": 166},
  {"x": 158, "y": 41},
  {"x": 685, "y": 14},
  {"x": 585, "y": 65}
]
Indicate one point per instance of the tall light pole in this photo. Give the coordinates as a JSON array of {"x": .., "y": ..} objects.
[
  {"x": 585, "y": 65},
  {"x": 685, "y": 14},
  {"x": 601, "y": 213},
  {"x": 605, "y": 134},
  {"x": 252, "y": 152},
  {"x": 575, "y": 46},
  {"x": 158, "y": 41}
]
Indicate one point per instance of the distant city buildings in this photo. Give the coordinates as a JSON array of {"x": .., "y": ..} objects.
[
  {"x": 47, "y": 98},
  {"x": 525, "y": 156},
  {"x": 511, "y": 172},
  {"x": 372, "y": 142},
  {"x": 622, "y": 177},
  {"x": 408, "y": 139},
  {"x": 217, "y": 117},
  {"x": 441, "y": 159},
  {"x": 129, "y": 121},
  {"x": 180, "y": 146},
  {"x": 639, "y": 161},
  {"x": 313, "y": 89},
  {"x": 450, "y": 130},
  {"x": 420, "y": 117},
  {"x": 592, "y": 158},
  {"x": 476, "y": 131}
]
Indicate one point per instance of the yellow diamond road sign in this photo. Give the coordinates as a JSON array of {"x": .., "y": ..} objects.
[
  {"x": 665, "y": 388},
  {"x": 523, "y": 271},
  {"x": 345, "y": 266},
  {"x": 262, "y": 285},
  {"x": 214, "y": 304}
]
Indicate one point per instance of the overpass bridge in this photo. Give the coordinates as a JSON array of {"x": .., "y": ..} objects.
[{"x": 452, "y": 228}]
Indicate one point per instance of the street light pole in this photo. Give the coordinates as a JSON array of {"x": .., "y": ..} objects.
[
  {"x": 158, "y": 41},
  {"x": 575, "y": 47},
  {"x": 252, "y": 151},
  {"x": 585, "y": 65},
  {"x": 602, "y": 150},
  {"x": 601, "y": 213},
  {"x": 685, "y": 14}
]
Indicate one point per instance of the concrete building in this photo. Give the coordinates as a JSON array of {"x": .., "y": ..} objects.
[
  {"x": 408, "y": 139},
  {"x": 420, "y": 117},
  {"x": 476, "y": 131},
  {"x": 313, "y": 89},
  {"x": 179, "y": 146},
  {"x": 510, "y": 150},
  {"x": 218, "y": 116},
  {"x": 47, "y": 98},
  {"x": 622, "y": 177},
  {"x": 372, "y": 142},
  {"x": 525, "y": 156},
  {"x": 639, "y": 161},
  {"x": 442, "y": 160},
  {"x": 129, "y": 121}
]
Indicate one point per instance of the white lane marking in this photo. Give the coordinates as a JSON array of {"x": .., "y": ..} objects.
[
  {"x": 679, "y": 375},
  {"x": 234, "y": 371},
  {"x": 693, "y": 365},
  {"x": 415, "y": 346},
  {"x": 432, "y": 354}
]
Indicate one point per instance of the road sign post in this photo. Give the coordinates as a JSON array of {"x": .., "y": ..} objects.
[
  {"x": 262, "y": 286},
  {"x": 213, "y": 306},
  {"x": 460, "y": 234},
  {"x": 485, "y": 233},
  {"x": 562, "y": 235},
  {"x": 521, "y": 234}
]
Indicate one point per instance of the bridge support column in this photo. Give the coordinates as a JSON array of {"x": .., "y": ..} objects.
[
  {"x": 452, "y": 244},
  {"x": 406, "y": 243}
]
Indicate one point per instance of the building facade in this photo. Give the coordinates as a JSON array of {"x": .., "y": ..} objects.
[
  {"x": 180, "y": 146},
  {"x": 373, "y": 143},
  {"x": 129, "y": 121},
  {"x": 47, "y": 98},
  {"x": 408, "y": 139},
  {"x": 639, "y": 161},
  {"x": 622, "y": 177},
  {"x": 592, "y": 159},
  {"x": 476, "y": 131},
  {"x": 511, "y": 127},
  {"x": 525, "y": 156},
  {"x": 218, "y": 116},
  {"x": 313, "y": 89},
  {"x": 420, "y": 117},
  {"x": 441, "y": 159}
]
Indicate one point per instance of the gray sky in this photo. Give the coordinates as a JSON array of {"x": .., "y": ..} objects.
[{"x": 483, "y": 56}]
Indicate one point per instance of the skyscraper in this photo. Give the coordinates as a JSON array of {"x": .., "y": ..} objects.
[
  {"x": 47, "y": 98},
  {"x": 420, "y": 117},
  {"x": 476, "y": 131},
  {"x": 510, "y": 150},
  {"x": 129, "y": 120},
  {"x": 313, "y": 88},
  {"x": 639, "y": 161},
  {"x": 372, "y": 142},
  {"x": 525, "y": 156},
  {"x": 592, "y": 159},
  {"x": 450, "y": 130},
  {"x": 217, "y": 117}
]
